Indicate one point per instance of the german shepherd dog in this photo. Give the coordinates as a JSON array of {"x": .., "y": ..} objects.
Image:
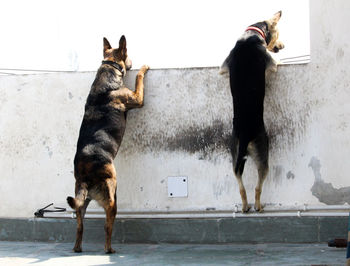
[
  {"x": 247, "y": 64},
  {"x": 100, "y": 136}
]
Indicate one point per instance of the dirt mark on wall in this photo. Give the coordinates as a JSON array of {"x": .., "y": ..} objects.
[
  {"x": 205, "y": 141},
  {"x": 286, "y": 116},
  {"x": 325, "y": 192},
  {"x": 288, "y": 108}
]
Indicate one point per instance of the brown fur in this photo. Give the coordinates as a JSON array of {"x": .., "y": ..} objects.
[
  {"x": 272, "y": 25},
  {"x": 247, "y": 65},
  {"x": 100, "y": 137}
]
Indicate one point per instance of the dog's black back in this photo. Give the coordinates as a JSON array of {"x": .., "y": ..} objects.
[{"x": 247, "y": 63}]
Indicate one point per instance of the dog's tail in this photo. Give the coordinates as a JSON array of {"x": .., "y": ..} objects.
[
  {"x": 241, "y": 157},
  {"x": 80, "y": 197}
]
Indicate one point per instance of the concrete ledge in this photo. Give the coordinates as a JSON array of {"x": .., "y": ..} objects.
[{"x": 203, "y": 231}]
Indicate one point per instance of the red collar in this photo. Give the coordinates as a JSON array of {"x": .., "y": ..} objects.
[{"x": 262, "y": 34}]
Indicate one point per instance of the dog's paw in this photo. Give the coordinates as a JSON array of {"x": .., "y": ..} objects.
[
  {"x": 77, "y": 249},
  {"x": 109, "y": 251},
  {"x": 144, "y": 69},
  {"x": 278, "y": 62},
  {"x": 258, "y": 208},
  {"x": 271, "y": 69},
  {"x": 223, "y": 71},
  {"x": 245, "y": 209}
]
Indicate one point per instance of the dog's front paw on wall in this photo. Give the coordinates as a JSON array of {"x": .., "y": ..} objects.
[
  {"x": 278, "y": 62},
  {"x": 144, "y": 69},
  {"x": 272, "y": 68},
  {"x": 223, "y": 70}
]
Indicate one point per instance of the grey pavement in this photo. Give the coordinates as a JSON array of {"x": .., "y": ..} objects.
[{"x": 40, "y": 253}]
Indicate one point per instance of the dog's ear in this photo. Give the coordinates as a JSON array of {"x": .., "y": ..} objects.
[
  {"x": 122, "y": 44},
  {"x": 106, "y": 44},
  {"x": 276, "y": 17}
]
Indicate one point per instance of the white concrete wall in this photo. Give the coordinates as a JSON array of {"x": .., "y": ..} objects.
[{"x": 184, "y": 129}]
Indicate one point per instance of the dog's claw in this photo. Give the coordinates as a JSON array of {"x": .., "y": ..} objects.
[
  {"x": 77, "y": 250},
  {"x": 145, "y": 68},
  {"x": 259, "y": 208},
  {"x": 245, "y": 209},
  {"x": 110, "y": 251}
]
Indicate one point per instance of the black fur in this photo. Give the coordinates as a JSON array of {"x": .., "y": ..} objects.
[
  {"x": 265, "y": 28},
  {"x": 100, "y": 137},
  {"x": 247, "y": 63},
  {"x": 71, "y": 202},
  {"x": 103, "y": 126}
]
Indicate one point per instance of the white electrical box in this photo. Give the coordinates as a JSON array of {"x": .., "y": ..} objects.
[{"x": 177, "y": 186}]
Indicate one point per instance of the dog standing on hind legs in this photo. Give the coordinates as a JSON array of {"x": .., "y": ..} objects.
[
  {"x": 247, "y": 64},
  {"x": 100, "y": 136}
]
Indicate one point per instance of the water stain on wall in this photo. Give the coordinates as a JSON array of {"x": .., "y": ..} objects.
[
  {"x": 290, "y": 175},
  {"x": 207, "y": 141},
  {"x": 340, "y": 53},
  {"x": 277, "y": 174},
  {"x": 286, "y": 115},
  {"x": 325, "y": 192},
  {"x": 49, "y": 151},
  {"x": 286, "y": 118},
  {"x": 220, "y": 188}
]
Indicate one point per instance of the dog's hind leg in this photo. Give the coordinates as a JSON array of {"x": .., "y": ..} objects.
[
  {"x": 109, "y": 203},
  {"x": 259, "y": 151},
  {"x": 111, "y": 211},
  {"x": 238, "y": 170},
  {"x": 80, "y": 212},
  {"x": 262, "y": 171},
  {"x": 79, "y": 203}
]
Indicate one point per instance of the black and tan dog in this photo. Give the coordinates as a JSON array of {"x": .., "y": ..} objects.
[
  {"x": 100, "y": 136},
  {"x": 247, "y": 64}
]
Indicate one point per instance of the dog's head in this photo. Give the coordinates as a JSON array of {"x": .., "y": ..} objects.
[
  {"x": 118, "y": 55},
  {"x": 272, "y": 33}
]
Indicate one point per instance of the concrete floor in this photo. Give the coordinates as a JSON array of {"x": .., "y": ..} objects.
[{"x": 23, "y": 253}]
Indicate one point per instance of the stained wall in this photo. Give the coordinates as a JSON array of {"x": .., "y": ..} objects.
[{"x": 184, "y": 129}]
